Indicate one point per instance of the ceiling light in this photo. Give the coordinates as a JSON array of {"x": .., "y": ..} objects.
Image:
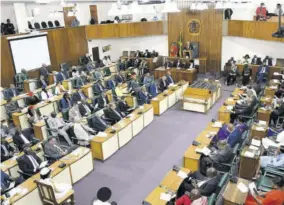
[{"x": 170, "y": 7}]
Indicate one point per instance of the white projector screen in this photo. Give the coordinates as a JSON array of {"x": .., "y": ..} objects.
[{"x": 29, "y": 52}]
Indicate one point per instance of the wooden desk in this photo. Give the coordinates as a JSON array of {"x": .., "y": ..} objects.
[
  {"x": 148, "y": 115},
  {"x": 40, "y": 130},
  {"x": 51, "y": 78},
  {"x": 269, "y": 91},
  {"x": 224, "y": 114},
  {"x": 232, "y": 195},
  {"x": 191, "y": 157},
  {"x": 124, "y": 131},
  {"x": 30, "y": 85},
  {"x": 160, "y": 103},
  {"x": 263, "y": 115},
  {"x": 272, "y": 19},
  {"x": 171, "y": 97},
  {"x": 248, "y": 166},
  {"x": 172, "y": 181},
  {"x": 258, "y": 133},
  {"x": 80, "y": 163},
  {"x": 266, "y": 100},
  {"x": 21, "y": 120},
  {"x": 154, "y": 197},
  {"x": 104, "y": 147},
  {"x": 205, "y": 137},
  {"x": 177, "y": 74}
]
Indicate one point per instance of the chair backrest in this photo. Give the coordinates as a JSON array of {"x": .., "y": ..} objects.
[
  {"x": 50, "y": 24},
  {"x": 37, "y": 26},
  {"x": 65, "y": 66},
  {"x": 56, "y": 22},
  {"x": 43, "y": 24},
  {"x": 46, "y": 193},
  {"x": 125, "y": 53}
]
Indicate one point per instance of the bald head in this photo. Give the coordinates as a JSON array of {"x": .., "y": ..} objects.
[
  {"x": 211, "y": 172},
  {"x": 195, "y": 194},
  {"x": 231, "y": 127}
]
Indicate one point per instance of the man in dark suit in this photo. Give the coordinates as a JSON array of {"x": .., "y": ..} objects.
[
  {"x": 7, "y": 151},
  {"x": 255, "y": 60},
  {"x": 98, "y": 124},
  {"x": 44, "y": 71},
  {"x": 61, "y": 75},
  {"x": 163, "y": 84},
  {"x": 168, "y": 64},
  {"x": 29, "y": 163},
  {"x": 85, "y": 108},
  {"x": 22, "y": 140},
  {"x": 32, "y": 99},
  {"x": 136, "y": 62},
  {"x": 262, "y": 73},
  {"x": 11, "y": 107},
  {"x": 137, "y": 54},
  {"x": 111, "y": 84},
  {"x": 123, "y": 107},
  {"x": 207, "y": 185},
  {"x": 42, "y": 81},
  {"x": 147, "y": 54},
  {"x": 170, "y": 80},
  {"x": 133, "y": 84},
  {"x": 101, "y": 101},
  {"x": 276, "y": 113},
  {"x": 79, "y": 96},
  {"x": 143, "y": 97},
  {"x": 98, "y": 88},
  {"x": 7, "y": 182},
  {"x": 119, "y": 78},
  {"x": 12, "y": 91},
  {"x": 112, "y": 114},
  {"x": 244, "y": 109},
  {"x": 220, "y": 155}
]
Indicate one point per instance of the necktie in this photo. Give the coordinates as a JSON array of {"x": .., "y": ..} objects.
[
  {"x": 58, "y": 149},
  {"x": 25, "y": 139},
  {"x": 34, "y": 162},
  {"x": 5, "y": 150},
  {"x": 86, "y": 108},
  {"x": 63, "y": 76},
  {"x": 81, "y": 95},
  {"x": 101, "y": 121}
]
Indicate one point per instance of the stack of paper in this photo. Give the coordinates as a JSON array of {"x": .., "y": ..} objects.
[
  {"x": 102, "y": 134},
  {"x": 253, "y": 147},
  {"x": 255, "y": 142},
  {"x": 262, "y": 129},
  {"x": 267, "y": 143},
  {"x": 204, "y": 151},
  {"x": 229, "y": 107},
  {"x": 242, "y": 187},
  {"x": 154, "y": 98},
  {"x": 249, "y": 154},
  {"x": 252, "y": 187},
  {"x": 182, "y": 174},
  {"x": 230, "y": 99},
  {"x": 165, "y": 197},
  {"x": 217, "y": 124}
]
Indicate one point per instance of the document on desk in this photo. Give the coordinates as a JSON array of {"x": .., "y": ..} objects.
[
  {"x": 242, "y": 187},
  {"x": 252, "y": 187},
  {"x": 262, "y": 129},
  {"x": 249, "y": 154},
  {"x": 102, "y": 134},
  {"x": 204, "y": 151},
  {"x": 43, "y": 164},
  {"x": 268, "y": 143},
  {"x": 252, "y": 147},
  {"x": 182, "y": 174},
  {"x": 263, "y": 108},
  {"x": 261, "y": 122},
  {"x": 154, "y": 99},
  {"x": 229, "y": 107},
  {"x": 230, "y": 99},
  {"x": 255, "y": 142},
  {"x": 217, "y": 124}
]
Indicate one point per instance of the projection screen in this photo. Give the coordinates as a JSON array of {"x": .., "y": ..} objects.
[{"x": 29, "y": 51}]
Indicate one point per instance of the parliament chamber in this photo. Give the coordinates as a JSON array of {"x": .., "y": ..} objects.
[{"x": 153, "y": 103}]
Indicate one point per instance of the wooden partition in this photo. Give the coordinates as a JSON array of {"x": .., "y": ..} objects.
[
  {"x": 253, "y": 29},
  {"x": 124, "y": 30}
]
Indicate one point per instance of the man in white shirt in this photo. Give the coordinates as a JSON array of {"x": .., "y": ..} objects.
[
  {"x": 105, "y": 61},
  {"x": 83, "y": 132},
  {"x": 60, "y": 189},
  {"x": 74, "y": 112},
  {"x": 58, "y": 126}
]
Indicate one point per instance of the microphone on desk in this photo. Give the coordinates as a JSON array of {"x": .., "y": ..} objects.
[{"x": 176, "y": 168}]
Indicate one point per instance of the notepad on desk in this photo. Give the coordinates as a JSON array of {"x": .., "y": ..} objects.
[
  {"x": 102, "y": 134},
  {"x": 182, "y": 174},
  {"x": 255, "y": 142},
  {"x": 165, "y": 197},
  {"x": 242, "y": 187},
  {"x": 260, "y": 129},
  {"x": 204, "y": 151},
  {"x": 217, "y": 124},
  {"x": 249, "y": 154}
]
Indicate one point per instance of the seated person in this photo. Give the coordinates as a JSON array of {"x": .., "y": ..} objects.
[
  {"x": 98, "y": 124},
  {"x": 111, "y": 84},
  {"x": 147, "y": 54},
  {"x": 100, "y": 102},
  {"x": 261, "y": 13},
  {"x": 232, "y": 76},
  {"x": 8, "y": 183},
  {"x": 153, "y": 90},
  {"x": 169, "y": 78},
  {"x": 59, "y": 89},
  {"x": 168, "y": 64},
  {"x": 83, "y": 132},
  {"x": 7, "y": 151},
  {"x": 53, "y": 149},
  {"x": 207, "y": 185},
  {"x": 119, "y": 77},
  {"x": 11, "y": 107},
  {"x": 79, "y": 96},
  {"x": 66, "y": 101},
  {"x": 29, "y": 163},
  {"x": 58, "y": 126},
  {"x": 275, "y": 161},
  {"x": 22, "y": 140},
  {"x": 192, "y": 198},
  {"x": 45, "y": 95},
  {"x": 220, "y": 155},
  {"x": 74, "y": 112},
  {"x": 133, "y": 85},
  {"x": 85, "y": 108},
  {"x": 122, "y": 106},
  {"x": 148, "y": 79},
  {"x": 33, "y": 116},
  {"x": 236, "y": 135},
  {"x": 163, "y": 84},
  {"x": 136, "y": 62},
  {"x": 276, "y": 113},
  {"x": 98, "y": 88},
  {"x": 105, "y": 61},
  {"x": 42, "y": 81},
  {"x": 60, "y": 189},
  {"x": 75, "y": 72},
  {"x": 12, "y": 91},
  {"x": 262, "y": 73},
  {"x": 273, "y": 197},
  {"x": 280, "y": 91},
  {"x": 4, "y": 131},
  {"x": 244, "y": 109},
  {"x": 61, "y": 76},
  {"x": 111, "y": 113},
  {"x": 223, "y": 132},
  {"x": 143, "y": 96},
  {"x": 32, "y": 99},
  {"x": 86, "y": 59}
]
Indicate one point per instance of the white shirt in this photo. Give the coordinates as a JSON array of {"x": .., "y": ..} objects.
[
  {"x": 99, "y": 202},
  {"x": 76, "y": 74},
  {"x": 109, "y": 61},
  {"x": 81, "y": 133},
  {"x": 59, "y": 189},
  {"x": 24, "y": 139},
  {"x": 105, "y": 62},
  {"x": 58, "y": 90},
  {"x": 280, "y": 137},
  {"x": 34, "y": 162},
  {"x": 44, "y": 95}
]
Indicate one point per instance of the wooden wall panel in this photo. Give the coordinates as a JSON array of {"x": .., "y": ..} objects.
[
  {"x": 124, "y": 30},
  {"x": 7, "y": 69},
  {"x": 253, "y": 29},
  {"x": 210, "y": 37}
]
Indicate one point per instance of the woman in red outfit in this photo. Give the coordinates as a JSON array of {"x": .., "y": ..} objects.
[{"x": 273, "y": 197}]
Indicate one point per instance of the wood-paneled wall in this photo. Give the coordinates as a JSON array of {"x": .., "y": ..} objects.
[
  {"x": 210, "y": 37},
  {"x": 124, "y": 30},
  {"x": 64, "y": 44},
  {"x": 253, "y": 29}
]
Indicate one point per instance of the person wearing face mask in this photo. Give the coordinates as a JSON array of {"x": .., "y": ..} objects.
[{"x": 59, "y": 127}]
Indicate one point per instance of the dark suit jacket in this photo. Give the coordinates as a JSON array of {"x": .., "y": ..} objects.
[
  {"x": 256, "y": 61},
  {"x": 170, "y": 79},
  {"x": 97, "y": 124},
  {"x": 43, "y": 83},
  {"x": 268, "y": 61},
  {"x": 9, "y": 149},
  {"x": 77, "y": 97},
  {"x": 163, "y": 85},
  {"x": 122, "y": 106},
  {"x": 222, "y": 155},
  {"x": 12, "y": 107},
  {"x": 110, "y": 114},
  {"x": 143, "y": 98},
  {"x": 153, "y": 90},
  {"x": 98, "y": 89},
  {"x": 26, "y": 165},
  {"x": 147, "y": 55},
  {"x": 168, "y": 65},
  {"x": 19, "y": 141},
  {"x": 99, "y": 100},
  {"x": 280, "y": 110},
  {"x": 44, "y": 71},
  {"x": 244, "y": 110},
  {"x": 110, "y": 84},
  {"x": 82, "y": 109},
  {"x": 228, "y": 13},
  {"x": 118, "y": 78},
  {"x": 11, "y": 94},
  {"x": 32, "y": 100},
  {"x": 65, "y": 104},
  {"x": 59, "y": 76}
]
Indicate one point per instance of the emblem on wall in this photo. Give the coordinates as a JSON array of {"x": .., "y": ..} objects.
[{"x": 194, "y": 27}]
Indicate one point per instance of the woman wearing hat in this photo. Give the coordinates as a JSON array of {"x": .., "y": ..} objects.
[
  {"x": 247, "y": 72},
  {"x": 59, "y": 189}
]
